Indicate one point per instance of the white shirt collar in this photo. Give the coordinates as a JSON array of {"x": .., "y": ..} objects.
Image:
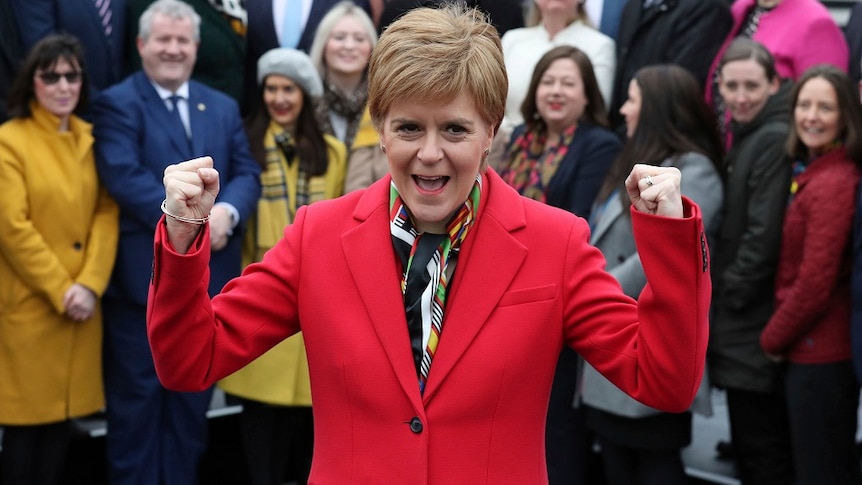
[{"x": 182, "y": 91}]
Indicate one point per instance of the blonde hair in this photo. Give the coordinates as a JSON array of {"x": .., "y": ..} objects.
[
  {"x": 324, "y": 30},
  {"x": 434, "y": 55},
  {"x": 533, "y": 17}
]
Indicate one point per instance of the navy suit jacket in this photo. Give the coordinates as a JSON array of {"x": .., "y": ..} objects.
[
  {"x": 853, "y": 33},
  {"x": 104, "y": 57},
  {"x": 134, "y": 144},
  {"x": 612, "y": 11},
  {"x": 576, "y": 183},
  {"x": 505, "y": 15},
  {"x": 856, "y": 288}
]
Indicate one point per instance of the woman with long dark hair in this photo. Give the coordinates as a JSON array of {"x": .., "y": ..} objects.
[
  {"x": 301, "y": 165},
  {"x": 667, "y": 124}
]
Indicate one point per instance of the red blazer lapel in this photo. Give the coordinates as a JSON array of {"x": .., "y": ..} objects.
[{"x": 372, "y": 264}]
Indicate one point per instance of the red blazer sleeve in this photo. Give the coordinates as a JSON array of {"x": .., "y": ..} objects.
[
  {"x": 259, "y": 306},
  {"x": 654, "y": 351}
]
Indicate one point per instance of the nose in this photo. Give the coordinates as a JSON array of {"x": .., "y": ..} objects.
[
  {"x": 430, "y": 151},
  {"x": 280, "y": 97},
  {"x": 173, "y": 46},
  {"x": 807, "y": 113}
]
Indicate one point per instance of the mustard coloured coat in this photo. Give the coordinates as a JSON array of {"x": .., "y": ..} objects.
[
  {"x": 280, "y": 376},
  {"x": 58, "y": 226}
]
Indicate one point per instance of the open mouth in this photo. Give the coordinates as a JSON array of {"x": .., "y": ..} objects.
[{"x": 430, "y": 184}]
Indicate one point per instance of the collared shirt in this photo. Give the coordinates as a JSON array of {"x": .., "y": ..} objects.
[
  {"x": 182, "y": 104},
  {"x": 278, "y": 8}
]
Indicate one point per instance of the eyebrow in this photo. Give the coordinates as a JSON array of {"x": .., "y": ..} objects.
[{"x": 454, "y": 121}]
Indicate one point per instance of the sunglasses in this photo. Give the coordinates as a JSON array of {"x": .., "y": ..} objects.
[{"x": 72, "y": 77}]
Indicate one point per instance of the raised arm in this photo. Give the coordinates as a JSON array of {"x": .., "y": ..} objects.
[{"x": 190, "y": 191}]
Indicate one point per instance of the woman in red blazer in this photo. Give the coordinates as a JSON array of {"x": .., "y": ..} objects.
[{"x": 442, "y": 251}]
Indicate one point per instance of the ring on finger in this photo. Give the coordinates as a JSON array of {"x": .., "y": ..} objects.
[{"x": 649, "y": 181}]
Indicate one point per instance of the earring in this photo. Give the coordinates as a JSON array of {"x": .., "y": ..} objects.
[
  {"x": 383, "y": 148},
  {"x": 487, "y": 152}
]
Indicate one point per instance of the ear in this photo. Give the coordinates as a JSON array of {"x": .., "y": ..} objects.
[
  {"x": 774, "y": 85},
  {"x": 139, "y": 42},
  {"x": 382, "y": 137},
  {"x": 492, "y": 130}
]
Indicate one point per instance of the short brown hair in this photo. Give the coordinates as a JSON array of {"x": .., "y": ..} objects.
[
  {"x": 435, "y": 54},
  {"x": 743, "y": 48}
]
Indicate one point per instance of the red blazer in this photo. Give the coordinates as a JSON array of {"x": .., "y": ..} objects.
[{"x": 527, "y": 282}]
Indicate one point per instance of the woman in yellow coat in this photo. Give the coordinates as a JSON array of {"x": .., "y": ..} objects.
[
  {"x": 58, "y": 238},
  {"x": 301, "y": 165}
]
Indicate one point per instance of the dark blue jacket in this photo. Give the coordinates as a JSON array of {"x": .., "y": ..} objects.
[
  {"x": 856, "y": 288},
  {"x": 580, "y": 174},
  {"x": 104, "y": 55},
  {"x": 134, "y": 144}
]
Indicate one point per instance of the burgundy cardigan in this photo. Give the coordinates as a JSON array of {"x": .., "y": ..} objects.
[{"x": 811, "y": 323}]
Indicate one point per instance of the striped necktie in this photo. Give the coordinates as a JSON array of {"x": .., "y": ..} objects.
[
  {"x": 103, "y": 7},
  {"x": 179, "y": 124}
]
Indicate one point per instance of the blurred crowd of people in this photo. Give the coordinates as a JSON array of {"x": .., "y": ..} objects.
[{"x": 756, "y": 102}]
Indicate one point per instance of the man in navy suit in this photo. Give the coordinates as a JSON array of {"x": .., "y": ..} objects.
[
  {"x": 154, "y": 118},
  {"x": 100, "y": 25}
]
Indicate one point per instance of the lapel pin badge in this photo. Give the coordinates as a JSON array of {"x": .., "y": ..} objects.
[{"x": 202, "y": 107}]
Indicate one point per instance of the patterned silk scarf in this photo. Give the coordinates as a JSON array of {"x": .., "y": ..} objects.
[
  {"x": 799, "y": 166},
  {"x": 531, "y": 167},
  {"x": 425, "y": 258},
  {"x": 348, "y": 105}
]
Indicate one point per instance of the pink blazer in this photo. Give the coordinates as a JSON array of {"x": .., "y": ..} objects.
[
  {"x": 798, "y": 33},
  {"x": 527, "y": 282}
]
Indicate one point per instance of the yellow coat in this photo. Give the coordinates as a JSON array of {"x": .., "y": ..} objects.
[
  {"x": 58, "y": 226},
  {"x": 280, "y": 376}
]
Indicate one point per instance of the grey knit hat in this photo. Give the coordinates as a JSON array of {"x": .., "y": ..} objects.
[{"x": 292, "y": 64}]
